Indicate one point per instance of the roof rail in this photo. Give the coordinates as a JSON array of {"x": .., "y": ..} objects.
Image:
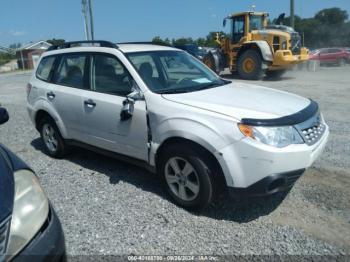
[
  {"x": 102, "y": 43},
  {"x": 145, "y": 43}
]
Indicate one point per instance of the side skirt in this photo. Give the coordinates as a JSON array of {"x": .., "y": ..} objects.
[{"x": 121, "y": 157}]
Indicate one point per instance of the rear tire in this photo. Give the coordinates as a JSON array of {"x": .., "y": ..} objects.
[
  {"x": 209, "y": 61},
  {"x": 186, "y": 176},
  {"x": 249, "y": 65},
  {"x": 275, "y": 74},
  {"x": 51, "y": 138}
]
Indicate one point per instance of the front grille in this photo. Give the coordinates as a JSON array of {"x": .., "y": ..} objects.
[
  {"x": 312, "y": 130},
  {"x": 4, "y": 228},
  {"x": 295, "y": 43},
  {"x": 276, "y": 43}
]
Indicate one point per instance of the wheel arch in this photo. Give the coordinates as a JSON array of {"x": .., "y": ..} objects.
[
  {"x": 218, "y": 60},
  {"x": 221, "y": 180},
  {"x": 262, "y": 47},
  {"x": 42, "y": 110}
]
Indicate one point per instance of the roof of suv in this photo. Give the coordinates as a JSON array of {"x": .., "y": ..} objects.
[
  {"x": 124, "y": 47},
  {"x": 127, "y": 48}
]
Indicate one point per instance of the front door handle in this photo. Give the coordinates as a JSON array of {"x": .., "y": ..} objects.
[
  {"x": 50, "y": 95},
  {"x": 89, "y": 103}
]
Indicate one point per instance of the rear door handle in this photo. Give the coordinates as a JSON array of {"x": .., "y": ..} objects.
[
  {"x": 89, "y": 103},
  {"x": 50, "y": 95}
]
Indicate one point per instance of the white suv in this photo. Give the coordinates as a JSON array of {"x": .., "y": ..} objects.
[{"x": 161, "y": 108}]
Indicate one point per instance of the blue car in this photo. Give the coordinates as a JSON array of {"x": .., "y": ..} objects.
[{"x": 29, "y": 227}]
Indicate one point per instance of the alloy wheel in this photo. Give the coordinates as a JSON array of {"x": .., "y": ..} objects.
[
  {"x": 50, "y": 137},
  {"x": 182, "y": 178}
]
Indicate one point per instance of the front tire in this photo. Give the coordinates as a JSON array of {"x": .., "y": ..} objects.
[
  {"x": 51, "y": 138},
  {"x": 249, "y": 65},
  {"x": 186, "y": 177}
]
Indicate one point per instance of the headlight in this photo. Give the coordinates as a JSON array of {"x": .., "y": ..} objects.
[
  {"x": 281, "y": 136},
  {"x": 30, "y": 211}
]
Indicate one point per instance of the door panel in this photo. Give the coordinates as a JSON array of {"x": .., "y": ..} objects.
[
  {"x": 68, "y": 87},
  {"x": 105, "y": 129},
  {"x": 67, "y": 102},
  {"x": 110, "y": 82}
]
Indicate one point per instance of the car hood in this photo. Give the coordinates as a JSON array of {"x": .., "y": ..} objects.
[{"x": 239, "y": 100}]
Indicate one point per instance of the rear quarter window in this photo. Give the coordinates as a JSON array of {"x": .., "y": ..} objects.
[{"x": 45, "y": 67}]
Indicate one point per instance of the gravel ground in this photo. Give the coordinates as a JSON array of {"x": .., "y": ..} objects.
[{"x": 110, "y": 207}]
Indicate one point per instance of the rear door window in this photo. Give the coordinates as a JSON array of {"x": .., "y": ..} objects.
[
  {"x": 71, "y": 71},
  {"x": 45, "y": 68}
]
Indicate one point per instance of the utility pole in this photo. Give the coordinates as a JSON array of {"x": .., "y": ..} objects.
[
  {"x": 91, "y": 21},
  {"x": 84, "y": 10},
  {"x": 88, "y": 19},
  {"x": 292, "y": 23}
]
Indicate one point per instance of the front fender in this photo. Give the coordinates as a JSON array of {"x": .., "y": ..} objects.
[
  {"x": 264, "y": 48},
  {"x": 43, "y": 105},
  {"x": 201, "y": 133}
]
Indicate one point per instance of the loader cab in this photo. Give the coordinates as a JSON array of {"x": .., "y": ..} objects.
[{"x": 244, "y": 23}]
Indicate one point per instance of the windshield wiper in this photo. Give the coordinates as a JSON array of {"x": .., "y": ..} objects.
[
  {"x": 175, "y": 91},
  {"x": 194, "y": 89}
]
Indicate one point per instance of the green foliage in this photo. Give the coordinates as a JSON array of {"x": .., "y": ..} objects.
[
  {"x": 5, "y": 58},
  {"x": 333, "y": 16},
  {"x": 208, "y": 41},
  {"x": 160, "y": 41},
  {"x": 329, "y": 27},
  {"x": 56, "y": 41},
  {"x": 326, "y": 29}
]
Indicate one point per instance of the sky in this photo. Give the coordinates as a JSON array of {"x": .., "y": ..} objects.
[{"x": 23, "y": 21}]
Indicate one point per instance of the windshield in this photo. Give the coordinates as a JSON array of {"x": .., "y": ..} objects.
[
  {"x": 256, "y": 22},
  {"x": 173, "y": 72}
]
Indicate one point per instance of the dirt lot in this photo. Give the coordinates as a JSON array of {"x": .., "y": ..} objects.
[{"x": 109, "y": 207}]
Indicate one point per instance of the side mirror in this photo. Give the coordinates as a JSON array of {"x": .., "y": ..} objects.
[
  {"x": 224, "y": 22},
  {"x": 135, "y": 95},
  {"x": 4, "y": 116},
  {"x": 127, "y": 110},
  {"x": 128, "y": 104}
]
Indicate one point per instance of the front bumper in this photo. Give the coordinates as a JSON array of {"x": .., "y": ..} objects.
[
  {"x": 48, "y": 245},
  {"x": 285, "y": 58},
  {"x": 268, "y": 185},
  {"x": 247, "y": 161}
]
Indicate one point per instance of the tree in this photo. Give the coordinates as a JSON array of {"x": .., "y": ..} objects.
[
  {"x": 54, "y": 41},
  {"x": 183, "y": 41},
  {"x": 210, "y": 39},
  {"x": 332, "y": 16},
  {"x": 160, "y": 41},
  {"x": 326, "y": 29}
]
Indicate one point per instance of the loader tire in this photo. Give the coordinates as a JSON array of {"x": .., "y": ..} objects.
[{"x": 249, "y": 65}]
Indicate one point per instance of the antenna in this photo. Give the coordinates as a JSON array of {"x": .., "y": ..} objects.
[{"x": 252, "y": 7}]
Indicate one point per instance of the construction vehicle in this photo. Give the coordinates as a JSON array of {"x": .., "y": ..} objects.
[{"x": 255, "y": 48}]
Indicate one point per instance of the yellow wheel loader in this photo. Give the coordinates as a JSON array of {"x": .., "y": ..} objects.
[{"x": 255, "y": 48}]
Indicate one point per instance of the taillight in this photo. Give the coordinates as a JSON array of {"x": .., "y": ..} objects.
[{"x": 29, "y": 88}]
